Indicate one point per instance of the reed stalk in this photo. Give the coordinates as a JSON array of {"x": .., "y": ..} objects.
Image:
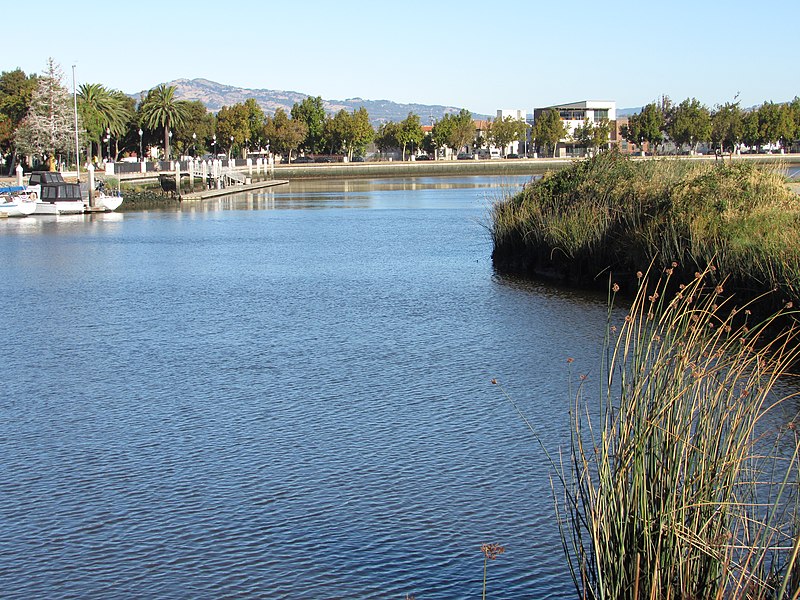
[
  {"x": 490, "y": 552},
  {"x": 672, "y": 487}
]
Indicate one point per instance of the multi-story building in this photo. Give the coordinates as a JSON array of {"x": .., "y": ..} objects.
[{"x": 575, "y": 114}]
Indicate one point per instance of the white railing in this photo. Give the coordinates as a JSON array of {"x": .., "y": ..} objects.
[
  {"x": 231, "y": 177},
  {"x": 214, "y": 172}
]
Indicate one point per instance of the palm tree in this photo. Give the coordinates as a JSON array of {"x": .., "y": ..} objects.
[
  {"x": 161, "y": 109},
  {"x": 101, "y": 111}
]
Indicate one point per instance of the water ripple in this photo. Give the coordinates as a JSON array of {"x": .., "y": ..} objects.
[{"x": 282, "y": 403}]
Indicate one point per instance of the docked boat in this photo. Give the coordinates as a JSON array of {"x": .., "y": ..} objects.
[
  {"x": 53, "y": 195},
  {"x": 110, "y": 203},
  {"x": 16, "y": 202},
  {"x": 60, "y": 198}
]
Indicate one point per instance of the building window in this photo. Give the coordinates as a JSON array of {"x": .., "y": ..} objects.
[
  {"x": 572, "y": 115},
  {"x": 600, "y": 113}
]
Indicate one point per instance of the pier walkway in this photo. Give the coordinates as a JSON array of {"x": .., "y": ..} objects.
[{"x": 232, "y": 189}]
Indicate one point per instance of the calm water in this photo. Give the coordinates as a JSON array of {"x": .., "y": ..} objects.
[{"x": 281, "y": 395}]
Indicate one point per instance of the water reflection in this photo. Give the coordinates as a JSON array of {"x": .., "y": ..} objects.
[{"x": 424, "y": 192}]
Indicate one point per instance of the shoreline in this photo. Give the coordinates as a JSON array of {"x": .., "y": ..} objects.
[{"x": 518, "y": 166}]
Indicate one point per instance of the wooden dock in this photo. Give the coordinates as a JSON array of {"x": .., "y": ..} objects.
[{"x": 232, "y": 189}]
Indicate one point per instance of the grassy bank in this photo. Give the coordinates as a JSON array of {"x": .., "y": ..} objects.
[
  {"x": 682, "y": 476},
  {"x": 614, "y": 214}
]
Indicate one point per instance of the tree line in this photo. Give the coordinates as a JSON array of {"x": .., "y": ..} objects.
[
  {"x": 454, "y": 131},
  {"x": 37, "y": 118},
  {"x": 690, "y": 123}
]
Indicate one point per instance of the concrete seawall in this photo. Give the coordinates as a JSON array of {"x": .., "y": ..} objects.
[{"x": 421, "y": 168}]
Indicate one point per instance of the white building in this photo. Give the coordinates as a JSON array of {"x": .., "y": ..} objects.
[
  {"x": 515, "y": 113},
  {"x": 574, "y": 114},
  {"x": 517, "y": 146}
]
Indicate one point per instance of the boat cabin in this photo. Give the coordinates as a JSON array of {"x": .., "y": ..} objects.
[
  {"x": 40, "y": 177},
  {"x": 61, "y": 192}
]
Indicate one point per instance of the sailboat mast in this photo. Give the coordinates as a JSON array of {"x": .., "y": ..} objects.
[{"x": 75, "y": 110}]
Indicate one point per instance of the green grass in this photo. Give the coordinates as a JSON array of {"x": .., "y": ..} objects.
[
  {"x": 613, "y": 214},
  {"x": 676, "y": 483}
]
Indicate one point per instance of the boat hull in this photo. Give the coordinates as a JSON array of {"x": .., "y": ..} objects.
[
  {"x": 110, "y": 203},
  {"x": 62, "y": 207},
  {"x": 18, "y": 208}
]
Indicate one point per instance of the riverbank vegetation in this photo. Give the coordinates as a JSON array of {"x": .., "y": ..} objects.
[
  {"x": 611, "y": 214},
  {"x": 682, "y": 481}
]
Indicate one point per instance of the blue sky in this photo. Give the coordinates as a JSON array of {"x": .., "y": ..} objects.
[{"x": 476, "y": 55}]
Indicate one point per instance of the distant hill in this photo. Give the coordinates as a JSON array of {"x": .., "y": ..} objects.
[
  {"x": 216, "y": 95},
  {"x": 627, "y": 112}
]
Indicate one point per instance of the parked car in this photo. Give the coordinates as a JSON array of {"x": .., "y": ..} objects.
[
  {"x": 465, "y": 156},
  {"x": 512, "y": 155},
  {"x": 423, "y": 157},
  {"x": 323, "y": 159},
  {"x": 302, "y": 160},
  {"x": 358, "y": 159}
]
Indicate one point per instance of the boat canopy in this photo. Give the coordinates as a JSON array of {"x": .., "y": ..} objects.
[
  {"x": 39, "y": 177},
  {"x": 12, "y": 189},
  {"x": 52, "y": 192}
]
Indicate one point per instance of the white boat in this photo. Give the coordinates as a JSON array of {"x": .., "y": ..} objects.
[
  {"x": 59, "y": 198},
  {"x": 59, "y": 208},
  {"x": 15, "y": 202},
  {"x": 110, "y": 203}
]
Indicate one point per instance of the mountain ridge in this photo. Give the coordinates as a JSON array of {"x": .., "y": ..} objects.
[{"x": 215, "y": 95}]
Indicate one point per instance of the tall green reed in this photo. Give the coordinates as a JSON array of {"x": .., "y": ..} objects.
[{"x": 669, "y": 488}]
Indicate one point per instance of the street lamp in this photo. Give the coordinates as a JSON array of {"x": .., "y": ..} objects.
[
  {"x": 230, "y": 150},
  {"x": 527, "y": 126},
  {"x": 214, "y": 146},
  {"x": 141, "y": 154},
  {"x": 108, "y": 144},
  {"x": 169, "y": 146},
  {"x": 194, "y": 142}
]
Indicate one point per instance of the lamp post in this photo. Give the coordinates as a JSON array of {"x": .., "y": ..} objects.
[
  {"x": 141, "y": 154},
  {"x": 527, "y": 126},
  {"x": 230, "y": 150},
  {"x": 214, "y": 146},
  {"x": 169, "y": 146},
  {"x": 108, "y": 144},
  {"x": 194, "y": 143}
]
